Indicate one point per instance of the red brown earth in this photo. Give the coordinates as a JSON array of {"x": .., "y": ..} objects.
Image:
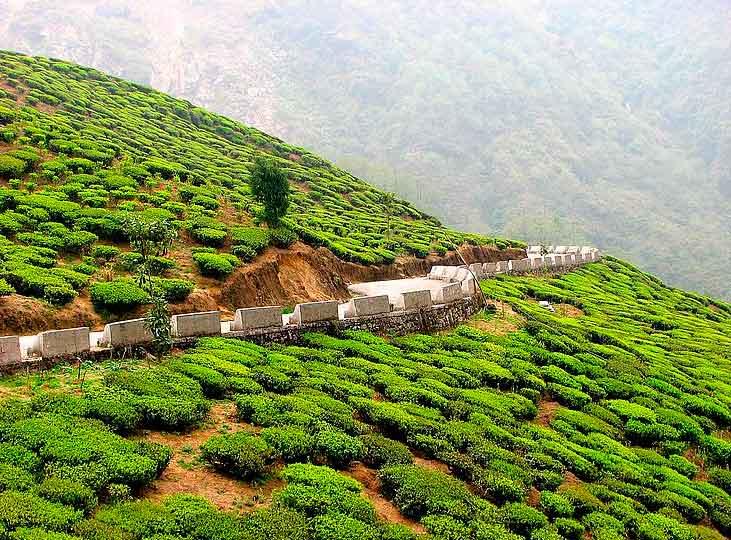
[{"x": 277, "y": 277}]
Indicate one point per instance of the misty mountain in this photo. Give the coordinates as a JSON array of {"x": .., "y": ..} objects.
[{"x": 604, "y": 122}]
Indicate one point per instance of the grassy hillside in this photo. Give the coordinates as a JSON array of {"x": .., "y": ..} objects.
[
  {"x": 608, "y": 419},
  {"x": 81, "y": 152},
  {"x": 602, "y": 122}
]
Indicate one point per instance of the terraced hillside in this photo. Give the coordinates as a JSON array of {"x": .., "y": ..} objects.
[
  {"x": 607, "y": 419},
  {"x": 81, "y": 152}
]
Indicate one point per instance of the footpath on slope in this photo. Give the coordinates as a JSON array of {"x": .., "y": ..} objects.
[
  {"x": 284, "y": 277},
  {"x": 447, "y": 296}
]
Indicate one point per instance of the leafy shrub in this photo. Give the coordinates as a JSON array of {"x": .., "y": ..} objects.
[
  {"x": 117, "y": 296},
  {"x": 419, "y": 492},
  {"x": 11, "y": 167},
  {"x": 282, "y": 237},
  {"x": 210, "y": 237},
  {"x": 214, "y": 384},
  {"x": 214, "y": 265},
  {"x": 522, "y": 519},
  {"x": 5, "y": 288},
  {"x": 14, "y": 478},
  {"x": 19, "y": 510},
  {"x": 254, "y": 238},
  {"x": 337, "y": 447},
  {"x": 555, "y": 505},
  {"x": 240, "y": 454},
  {"x": 290, "y": 443},
  {"x": 105, "y": 253},
  {"x": 174, "y": 290},
  {"x": 380, "y": 451},
  {"x": 340, "y": 527},
  {"x": 68, "y": 493}
]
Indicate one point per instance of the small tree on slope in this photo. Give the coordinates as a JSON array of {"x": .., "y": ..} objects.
[
  {"x": 270, "y": 187},
  {"x": 153, "y": 239}
]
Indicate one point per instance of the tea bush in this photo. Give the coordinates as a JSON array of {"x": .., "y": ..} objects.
[
  {"x": 215, "y": 265},
  {"x": 241, "y": 454},
  {"x": 610, "y": 465},
  {"x": 118, "y": 295}
]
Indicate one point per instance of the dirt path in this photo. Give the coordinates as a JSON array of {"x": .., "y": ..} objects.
[
  {"x": 546, "y": 412},
  {"x": 504, "y": 321},
  {"x": 385, "y": 509},
  {"x": 282, "y": 277},
  {"x": 185, "y": 474}
]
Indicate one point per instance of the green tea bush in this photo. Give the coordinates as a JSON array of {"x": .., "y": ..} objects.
[
  {"x": 118, "y": 295},
  {"x": 18, "y": 510},
  {"x": 555, "y": 505},
  {"x": 419, "y": 492},
  {"x": 380, "y": 451},
  {"x": 11, "y": 167},
  {"x": 210, "y": 237},
  {"x": 214, "y": 265},
  {"x": 282, "y": 237},
  {"x": 214, "y": 384},
  {"x": 241, "y": 454},
  {"x": 174, "y": 290},
  {"x": 14, "y": 478},
  {"x": 290, "y": 443},
  {"x": 254, "y": 238},
  {"x": 340, "y": 527},
  {"x": 68, "y": 493},
  {"x": 522, "y": 519},
  {"x": 337, "y": 447}
]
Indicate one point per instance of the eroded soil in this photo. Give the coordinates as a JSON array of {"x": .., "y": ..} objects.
[
  {"x": 186, "y": 474},
  {"x": 277, "y": 277}
]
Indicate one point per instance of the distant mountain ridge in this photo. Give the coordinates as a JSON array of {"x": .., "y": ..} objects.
[{"x": 605, "y": 122}]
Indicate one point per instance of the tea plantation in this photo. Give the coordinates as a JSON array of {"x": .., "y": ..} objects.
[
  {"x": 608, "y": 420},
  {"x": 80, "y": 152}
]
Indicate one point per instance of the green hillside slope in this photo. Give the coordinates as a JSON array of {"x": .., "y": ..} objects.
[
  {"x": 608, "y": 419},
  {"x": 80, "y": 152},
  {"x": 605, "y": 123}
]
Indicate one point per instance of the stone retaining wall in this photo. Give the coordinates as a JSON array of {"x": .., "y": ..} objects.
[{"x": 413, "y": 311}]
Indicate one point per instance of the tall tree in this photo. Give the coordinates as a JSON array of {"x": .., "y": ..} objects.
[{"x": 270, "y": 187}]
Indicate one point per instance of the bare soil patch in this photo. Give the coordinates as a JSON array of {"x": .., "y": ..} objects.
[
  {"x": 385, "y": 509},
  {"x": 567, "y": 310},
  {"x": 432, "y": 464},
  {"x": 570, "y": 479},
  {"x": 185, "y": 474},
  {"x": 534, "y": 497},
  {"x": 21, "y": 315},
  {"x": 277, "y": 277},
  {"x": 546, "y": 412},
  {"x": 504, "y": 321}
]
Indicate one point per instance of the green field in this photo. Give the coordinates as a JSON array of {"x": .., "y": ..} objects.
[
  {"x": 608, "y": 419},
  {"x": 81, "y": 152}
]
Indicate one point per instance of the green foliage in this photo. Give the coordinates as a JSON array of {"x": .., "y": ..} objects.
[
  {"x": 337, "y": 447},
  {"x": 68, "y": 493},
  {"x": 270, "y": 187},
  {"x": 241, "y": 454},
  {"x": 118, "y": 295},
  {"x": 613, "y": 468},
  {"x": 11, "y": 167},
  {"x": 289, "y": 443},
  {"x": 380, "y": 451},
  {"x": 215, "y": 265}
]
